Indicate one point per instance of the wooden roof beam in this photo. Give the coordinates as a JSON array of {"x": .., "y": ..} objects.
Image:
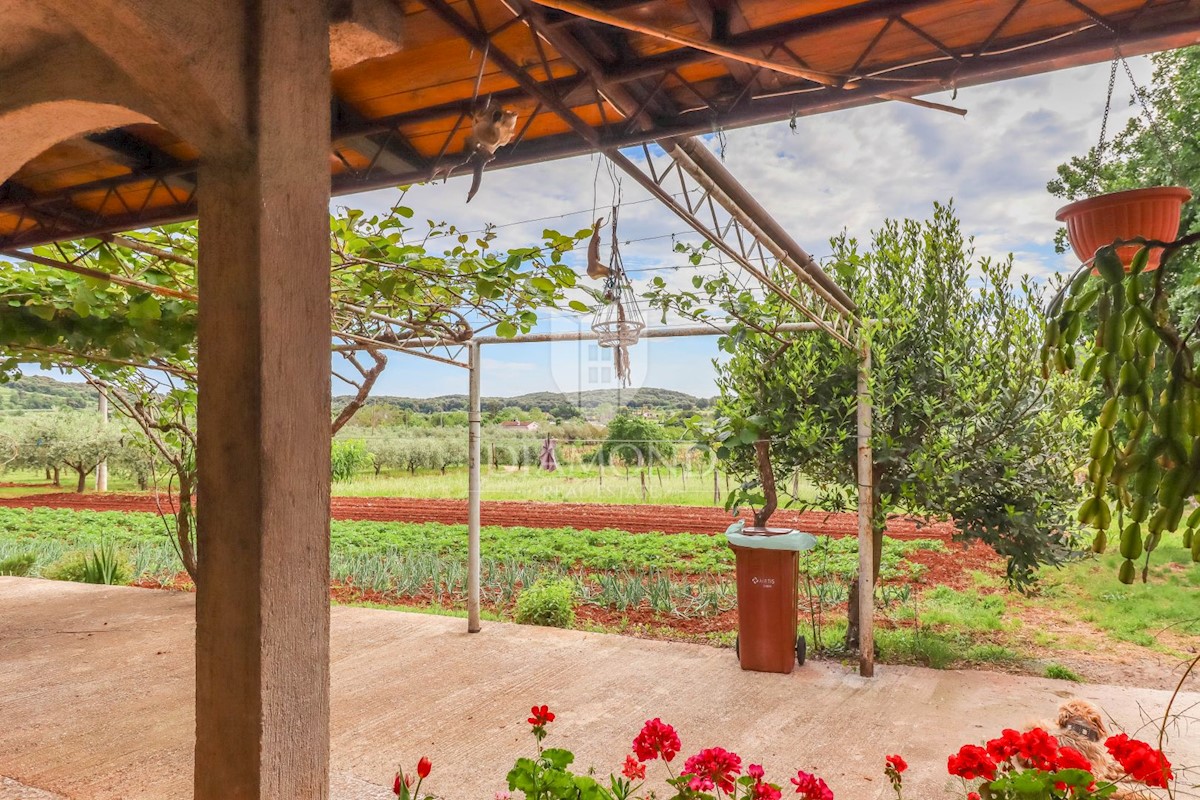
[
  {"x": 389, "y": 150},
  {"x": 139, "y": 155},
  {"x": 824, "y": 23}
]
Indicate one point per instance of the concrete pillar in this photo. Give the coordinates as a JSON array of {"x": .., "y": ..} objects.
[{"x": 262, "y": 609}]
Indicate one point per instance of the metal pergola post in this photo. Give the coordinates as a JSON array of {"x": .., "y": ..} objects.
[
  {"x": 474, "y": 420},
  {"x": 866, "y": 534},
  {"x": 866, "y": 587}
]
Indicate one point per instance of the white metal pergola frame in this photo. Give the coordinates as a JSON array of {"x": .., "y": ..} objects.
[{"x": 474, "y": 366}]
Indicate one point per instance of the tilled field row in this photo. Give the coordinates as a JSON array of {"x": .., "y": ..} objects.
[{"x": 505, "y": 513}]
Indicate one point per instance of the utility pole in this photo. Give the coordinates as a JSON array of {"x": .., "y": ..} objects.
[{"x": 102, "y": 467}]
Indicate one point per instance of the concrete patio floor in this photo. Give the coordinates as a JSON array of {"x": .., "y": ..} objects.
[{"x": 96, "y": 694}]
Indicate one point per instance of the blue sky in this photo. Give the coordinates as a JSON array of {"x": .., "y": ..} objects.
[{"x": 846, "y": 170}]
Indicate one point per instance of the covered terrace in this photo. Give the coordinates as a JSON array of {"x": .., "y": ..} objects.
[{"x": 120, "y": 114}]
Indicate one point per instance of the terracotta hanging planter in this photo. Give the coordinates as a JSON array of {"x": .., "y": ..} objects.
[{"x": 1151, "y": 213}]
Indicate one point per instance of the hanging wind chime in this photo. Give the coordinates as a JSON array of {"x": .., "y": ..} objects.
[
  {"x": 618, "y": 322},
  {"x": 1151, "y": 213}
]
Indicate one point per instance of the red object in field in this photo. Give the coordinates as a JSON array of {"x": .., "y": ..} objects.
[{"x": 766, "y": 594}]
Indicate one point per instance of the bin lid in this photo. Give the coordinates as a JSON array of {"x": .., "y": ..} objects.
[{"x": 769, "y": 538}]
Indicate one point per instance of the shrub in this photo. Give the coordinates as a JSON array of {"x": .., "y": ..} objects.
[
  {"x": 68, "y": 568},
  {"x": 549, "y": 601},
  {"x": 346, "y": 458},
  {"x": 18, "y": 565},
  {"x": 104, "y": 565}
]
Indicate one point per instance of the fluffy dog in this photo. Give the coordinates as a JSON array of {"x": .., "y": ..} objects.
[{"x": 1079, "y": 725}]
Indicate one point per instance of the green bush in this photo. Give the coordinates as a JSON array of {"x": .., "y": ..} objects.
[
  {"x": 103, "y": 565},
  {"x": 346, "y": 458},
  {"x": 549, "y": 601},
  {"x": 68, "y": 568},
  {"x": 18, "y": 565}
]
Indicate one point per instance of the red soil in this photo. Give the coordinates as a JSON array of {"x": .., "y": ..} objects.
[{"x": 582, "y": 516}]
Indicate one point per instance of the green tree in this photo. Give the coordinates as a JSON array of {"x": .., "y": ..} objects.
[
  {"x": 76, "y": 440},
  {"x": 964, "y": 427},
  {"x": 635, "y": 440}
]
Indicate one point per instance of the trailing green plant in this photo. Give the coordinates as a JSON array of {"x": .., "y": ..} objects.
[
  {"x": 549, "y": 602},
  {"x": 1144, "y": 458}
]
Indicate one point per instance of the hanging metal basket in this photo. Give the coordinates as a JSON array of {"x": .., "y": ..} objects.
[{"x": 619, "y": 322}]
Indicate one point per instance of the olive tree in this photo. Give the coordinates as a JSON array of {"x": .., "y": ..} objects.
[{"x": 964, "y": 427}]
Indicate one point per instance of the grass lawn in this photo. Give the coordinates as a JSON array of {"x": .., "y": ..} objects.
[
  {"x": 571, "y": 483},
  {"x": 34, "y": 482}
]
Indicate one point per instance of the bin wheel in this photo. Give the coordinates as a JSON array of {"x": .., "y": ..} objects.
[{"x": 801, "y": 650}]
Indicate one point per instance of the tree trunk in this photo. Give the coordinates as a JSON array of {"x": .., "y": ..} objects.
[
  {"x": 57, "y": 477},
  {"x": 766, "y": 475},
  {"x": 47, "y": 473},
  {"x": 81, "y": 486},
  {"x": 184, "y": 527}
]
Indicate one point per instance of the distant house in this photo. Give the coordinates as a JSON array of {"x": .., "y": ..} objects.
[{"x": 518, "y": 425}]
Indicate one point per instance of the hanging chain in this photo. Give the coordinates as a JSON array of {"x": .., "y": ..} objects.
[
  {"x": 1098, "y": 153},
  {"x": 1152, "y": 123}
]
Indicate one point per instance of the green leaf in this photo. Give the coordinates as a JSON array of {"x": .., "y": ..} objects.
[
  {"x": 581, "y": 307},
  {"x": 557, "y": 757},
  {"x": 506, "y": 330}
]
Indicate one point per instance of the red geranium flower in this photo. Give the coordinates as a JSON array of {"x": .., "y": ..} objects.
[
  {"x": 755, "y": 771},
  {"x": 1141, "y": 761},
  {"x": 1007, "y": 746},
  {"x": 656, "y": 739},
  {"x": 1039, "y": 748},
  {"x": 897, "y": 763},
  {"x": 633, "y": 769},
  {"x": 973, "y": 796},
  {"x": 423, "y": 767},
  {"x": 970, "y": 762},
  {"x": 1070, "y": 758},
  {"x": 715, "y": 766},
  {"x": 810, "y": 787},
  {"x": 765, "y": 791},
  {"x": 540, "y": 715}
]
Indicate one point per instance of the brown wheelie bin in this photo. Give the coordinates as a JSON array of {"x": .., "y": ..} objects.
[{"x": 767, "y": 567}]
